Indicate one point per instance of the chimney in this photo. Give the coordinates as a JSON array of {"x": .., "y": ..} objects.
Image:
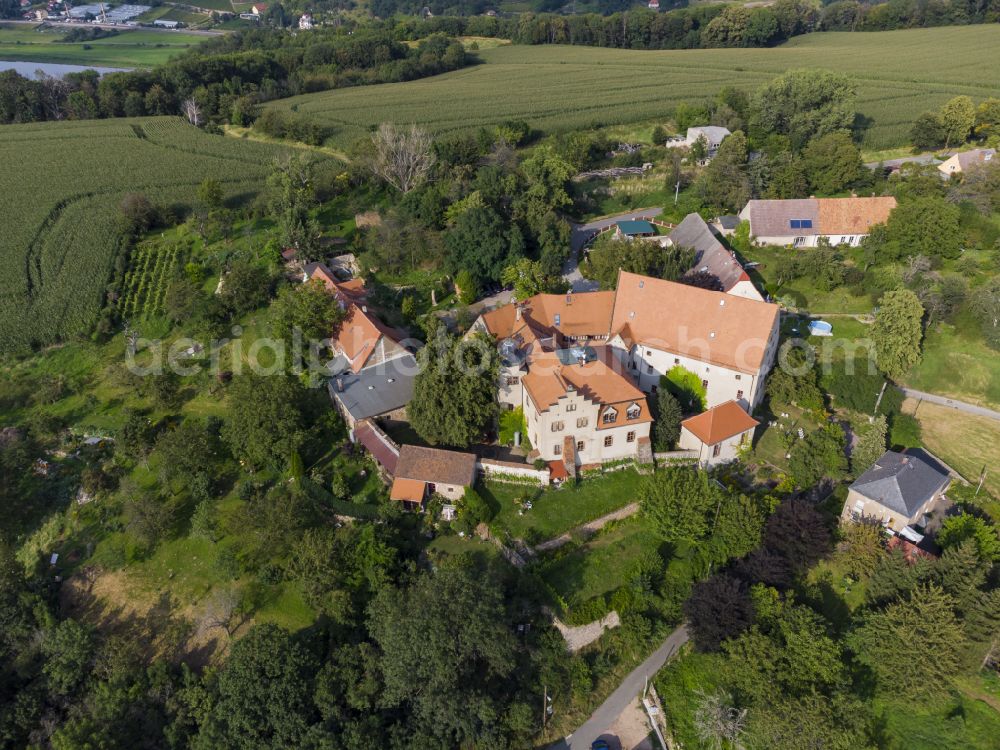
[
  {"x": 364, "y": 309},
  {"x": 569, "y": 298},
  {"x": 340, "y": 385},
  {"x": 517, "y": 312}
]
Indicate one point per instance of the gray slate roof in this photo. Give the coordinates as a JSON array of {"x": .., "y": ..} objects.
[
  {"x": 772, "y": 218},
  {"x": 711, "y": 256},
  {"x": 902, "y": 482},
  {"x": 967, "y": 159},
  {"x": 378, "y": 389},
  {"x": 712, "y": 133}
]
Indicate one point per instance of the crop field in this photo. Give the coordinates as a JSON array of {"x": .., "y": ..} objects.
[
  {"x": 899, "y": 74},
  {"x": 63, "y": 185},
  {"x": 127, "y": 49}
]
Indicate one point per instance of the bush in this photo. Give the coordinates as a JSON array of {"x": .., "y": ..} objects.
[
  {"x": 588, "y": 611},
  {"x": 904, "y": 431}
]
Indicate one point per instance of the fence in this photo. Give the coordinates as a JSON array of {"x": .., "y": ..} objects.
[{"x": 512, "y": 473}]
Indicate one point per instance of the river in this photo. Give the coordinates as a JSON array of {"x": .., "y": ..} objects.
[{"x": 57, "y": 70}]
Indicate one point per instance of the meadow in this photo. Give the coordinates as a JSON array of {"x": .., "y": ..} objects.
[
  {"x": 127, "y": 49},
  {"x": 557, "y": 88},
  {"x": 65, "y": 182}
]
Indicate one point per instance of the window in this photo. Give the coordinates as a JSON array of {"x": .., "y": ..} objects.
[
  {"x": 654, "y": 389},
  {"x": 608, "y": 441},
  {"x": 557, "y": 426},
  {"x": 630, "y": 437},
  {"x": 579, "y": 446},
  {"x": 570, "y": 407},
  {"x": 649, "y": 369},
  {"x": 557, "y": 450},
  {"x": 633, "y": 411},
  {"x": 610, "y": 416},
  {"x": 716, "y": 450},
  {"x": 798, "y": 241},
  {"x": 739, "y": 377},
  {"x": 582, "y": 422},
  {"x": 739, "y": 395},
  {"x": 677, "y": 360},
  {"x": 513, "y": 380},
  {"x": 743, "y": 438},
  {"x": 704, "y": 384},
  {"x": 558, "y": 319}
]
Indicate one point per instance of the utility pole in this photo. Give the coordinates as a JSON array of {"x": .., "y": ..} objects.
[
  {"x": 982, "y": 478},
  {"x": 677, "y": 191},
  {"x": 545, "y": 704}
]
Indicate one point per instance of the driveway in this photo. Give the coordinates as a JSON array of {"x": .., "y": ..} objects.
[
  {"x": 581, "y": 233},
  {"x": 604, "y": 718},
  {"x": 979, "y": 411}
]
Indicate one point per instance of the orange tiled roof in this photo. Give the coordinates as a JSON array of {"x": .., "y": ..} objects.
[
  {"x": 352, "y": 290},
  {"x": 715, "y": 327},
  {"x": 358, "y": 335},
  {"x": 436, "y": 465},
  {"x": 579, "y": 314},
  {"x": 720, "y": 423},
  {"x": 853, "y": 215},
  {"x": 548, "y": 380},
  {"x": 407, "y": 490}
]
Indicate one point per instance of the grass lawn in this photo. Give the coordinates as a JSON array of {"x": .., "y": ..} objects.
[
  {"x": 284, "y": 606},
  {"x": 557, "y": 511},
  {"x": 956, "y": 723},
  {"x": 964, "y": 441},
  {"x": 603, "y": 564},
  {"x": 127, "y": 49},
  {"x": 958, "y": 364}
]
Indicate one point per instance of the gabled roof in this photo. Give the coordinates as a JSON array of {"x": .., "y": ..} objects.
[
  {"x": 720, "y": 423},
  {"x": 436, "y": 465},
  {"x": 352, "y": 290},
  {"x": 901, "y": 482},
  {"x": 711, "y": 256},
  {"x": 713, "y": 327},
  {"x": 376, "y": 390},
  {"x": 713, "y": 133},
  {"x": 574, "y": 314},
  {"x": 359, "y": 333},
  {"x": 549, "y": 380},
  {"x": 815, "y": 216},
  {"x": 971, "y": 158}
]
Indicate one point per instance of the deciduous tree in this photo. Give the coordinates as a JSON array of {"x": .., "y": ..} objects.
[
  {"x": 402, "y": 157},
  {"x": 897, "y": 332}
]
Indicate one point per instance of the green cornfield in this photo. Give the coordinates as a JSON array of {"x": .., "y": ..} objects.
[
  {"x": 63, "y": 185},
  {"x": 899, "y": 75}
]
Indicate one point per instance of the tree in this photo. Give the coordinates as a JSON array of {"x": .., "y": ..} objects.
[
  {"x": 724, "y": 183},
  {"x": 192, "y": 111},
  {"x": 893, "y": 642},
  {"x": 187, "y": 451},
  {"x": 667, "y": 430},
  {"x": 679, "y": 502},
  {"x": 483, "y": 243},
  {"x": 609, "y": 255},
  {"x": 923, "y": 226},
  {"x": 686, "y": 387},
  {"x": 245, "y": 288},
  {"x": 820, "y": 454},
  {"x": 797, "y": 532},
  {"x": 864, "y": 548},
  {"x": 309, "y": 309},
  {"x": 267, "y": 419},
  {"x": 135, "y": 438},
  {"x": 147, "y": 518},
  {"x": 958, "y": 117},
  {"x": 528, "y": 279},
  {"x": 454, "y": 394},
  {"x": 292, "y": 196},
  {"x": 262, "y": 695},
  {"x": 897, "y": 332},
  {"x": 718, "y": 723},
  {"x": 928, "y": 131},
  {"x": 958, "y": 529},
  {"x": 870, "y": 446},
  {"x": 980, "y": 186},
  {"x": 403, "y": 158},
  {"x": 68, "y": 650},
  {"x": 986, "y": 308},
  {"x": 210, "y": 194},
  {"x": 138, "y": 213},
  {"x": 719, "y": 608},
  {"x": 803, "y": 104},
  {"x": 832, "y": 162},
  {"x": 449, "y": 633}
]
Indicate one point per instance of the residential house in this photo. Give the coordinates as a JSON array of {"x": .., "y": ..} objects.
[
  {"x": 581, "y": 364},
  {"x": 632, "y": 228},
  {"x": 421, "y": 472},
  {"x": 718, "y": 434},
  {"x": 713, "y": 136},
  {"x": 900, "y": 491},
  {"x": 960, "y": 162},
  {"x": 348, "y": 291},
  {"x": 802, "y": 222},
  {"x": 713, "y": 258},
  {"x": 726, "y": 225},
  {"x": 305, "y": 22},
  {"x": 258, "y": 9}
]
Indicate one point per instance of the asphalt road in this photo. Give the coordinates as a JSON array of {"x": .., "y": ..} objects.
[
  {"x": 597, "y": 725},
  {"x": 580, "y": 233},
  {"x": 979, "y": 411}
]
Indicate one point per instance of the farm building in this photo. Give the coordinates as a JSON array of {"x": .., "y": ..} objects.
[
  {"x": 712, "y": 258},
  {"x": 713, "y": 135},
  {"x": 802, "y": 222},
  {"x": 421, "y": 472}
]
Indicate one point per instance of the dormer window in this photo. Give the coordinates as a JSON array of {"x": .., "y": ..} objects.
[
  {"x": 633, "y": 411},
  {"x": 558, "y": 320},
  {"x": 610, "y": 416}
]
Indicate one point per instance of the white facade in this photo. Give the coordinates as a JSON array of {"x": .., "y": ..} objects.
[
  {"x": 712, "y": 455},
  {"x": 745, "y": 289},
  {"x": 599, "y": 433}
]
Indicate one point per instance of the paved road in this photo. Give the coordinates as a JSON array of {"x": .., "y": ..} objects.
[
  {"x": 114, "y": 27},
  {"x": 580, "y": 233},
  {"x": 602, "y": 719},
  {"x": 979, "y": 411}
]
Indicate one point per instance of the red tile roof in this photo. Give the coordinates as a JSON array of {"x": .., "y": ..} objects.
[
  {"x": 408, "y": 490},
  {"x": 382, "y": 451},
  {"x": 436, "y": 465},
  {"x": 720, "y": 423}
]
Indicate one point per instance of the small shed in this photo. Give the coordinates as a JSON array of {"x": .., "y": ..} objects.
[{"x": 635, "y": 228}]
